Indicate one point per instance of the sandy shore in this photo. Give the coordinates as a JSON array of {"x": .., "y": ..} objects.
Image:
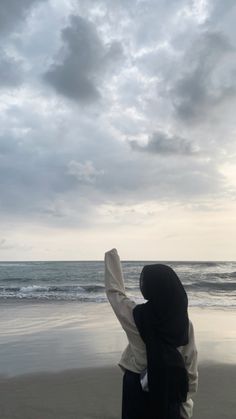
[
  {"x": 95, "y": 393},
  {"x": 74, "y": 343}
]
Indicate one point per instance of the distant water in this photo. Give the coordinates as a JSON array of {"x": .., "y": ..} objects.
[{"x": 208, "y": 284}]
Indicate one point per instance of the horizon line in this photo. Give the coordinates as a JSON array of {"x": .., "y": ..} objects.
[{"x": 122, "y": 260}]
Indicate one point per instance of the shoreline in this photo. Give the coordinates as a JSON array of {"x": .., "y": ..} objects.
[{"x": 33, "y": 301}]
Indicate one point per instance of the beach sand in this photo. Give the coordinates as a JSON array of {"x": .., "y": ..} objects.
[
  {"x": 59, "y": 361},
  {"x": 95, "y": 393}
]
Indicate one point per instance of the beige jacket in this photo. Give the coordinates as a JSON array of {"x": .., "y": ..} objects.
[{"x": 134, "y": 356}]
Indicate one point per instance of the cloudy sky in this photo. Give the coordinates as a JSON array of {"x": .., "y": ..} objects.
[{"x": 117, "y": 129}]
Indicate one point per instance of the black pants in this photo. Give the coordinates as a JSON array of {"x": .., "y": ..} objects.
[{"x": 136, "y": 403}]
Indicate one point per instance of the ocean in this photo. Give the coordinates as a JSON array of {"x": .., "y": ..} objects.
[
  {"x": 208, "y": 284},
  {"x": 55, "y": 315}
]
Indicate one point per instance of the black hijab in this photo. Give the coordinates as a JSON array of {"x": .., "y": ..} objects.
[{"x": 163, "y": 325}]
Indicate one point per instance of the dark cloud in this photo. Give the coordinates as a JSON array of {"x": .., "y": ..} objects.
[
  {"x": 10, "y": 70},
  {"x": 162, "y": 143},
  {"x": 204, "y": 82},
  {"x": 14, "y": 12},
  {"x": 86, "y": 61}
]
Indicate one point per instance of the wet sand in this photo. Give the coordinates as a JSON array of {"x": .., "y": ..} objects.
[
  {"x": 95, "y": 393},
  {"x": 59, "y": 361}
]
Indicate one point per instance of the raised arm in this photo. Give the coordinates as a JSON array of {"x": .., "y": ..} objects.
[{"x": 115, "y": 291}]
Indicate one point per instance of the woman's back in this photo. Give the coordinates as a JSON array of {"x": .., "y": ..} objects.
[{"x": 134, "y": 357}]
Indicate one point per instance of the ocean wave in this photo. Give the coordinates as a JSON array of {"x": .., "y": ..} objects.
[
  {"x": 54, "y": 288},
  {"x": 193, "y": 301},
  {"x": 93, "y": 288},
  {"x": 53, "y": 297},
  {"x": 193, "y": 265},
  {"x": 208, "y": 285},
  {"x": 48, "y": 291},
  {"x": 220, "y": 275},
  {"x": 70, "y": 292}
]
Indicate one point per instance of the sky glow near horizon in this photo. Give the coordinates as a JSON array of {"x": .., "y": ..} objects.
[{"x": 117, "y": 129}]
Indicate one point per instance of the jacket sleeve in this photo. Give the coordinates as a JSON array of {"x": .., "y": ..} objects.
[
  {"x": 115, "y": 291},
  {"x": 191, "y": 364}
]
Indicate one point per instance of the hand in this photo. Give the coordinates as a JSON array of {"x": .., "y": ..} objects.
[{"x": 114, "y": 250}]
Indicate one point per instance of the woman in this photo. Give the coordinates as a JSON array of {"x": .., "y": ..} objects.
[{"x": 161, "y": 349}]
